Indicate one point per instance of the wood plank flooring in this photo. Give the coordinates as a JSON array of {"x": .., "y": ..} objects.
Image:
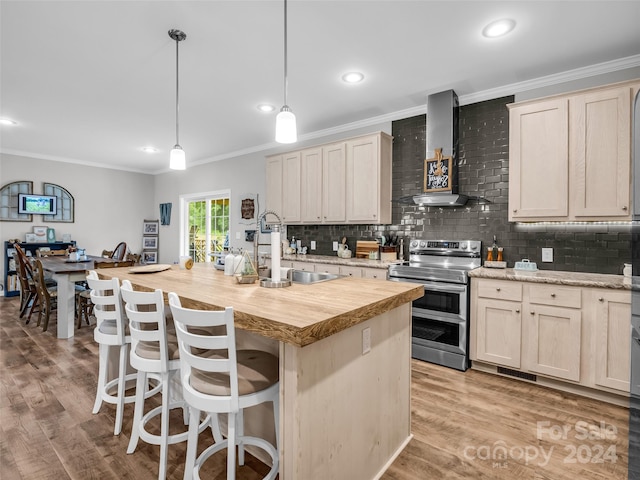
[{"x": 469, "y": 425}]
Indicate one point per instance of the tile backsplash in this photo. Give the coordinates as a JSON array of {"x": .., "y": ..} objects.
[{"x": 483, "y": 175}]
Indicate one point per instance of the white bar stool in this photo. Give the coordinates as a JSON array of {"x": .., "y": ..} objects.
[
  {"x": 218, "y": 379},
  {"x": 154, "y": 351},
  {"x": 111, "y": 331}
]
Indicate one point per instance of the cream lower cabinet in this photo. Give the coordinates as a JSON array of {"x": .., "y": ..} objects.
[
  {"x": 345, "y": 270},
  {"x": 611, "y": 311},
  {"x": 497, "y": 322},
  {"x": 554, "y": 331},
  {"x": 576, "y": 336}
]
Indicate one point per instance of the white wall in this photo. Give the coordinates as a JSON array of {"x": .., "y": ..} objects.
[{"x": 110, "y": 205}]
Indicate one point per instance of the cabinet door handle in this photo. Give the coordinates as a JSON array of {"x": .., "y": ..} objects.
[
  {"x": 497, "y": 289},
  {"x": 517, "y": 310},
  {"x": 601, "y": 299},
  {"x": 553, "y": 295},
  {"x": 532, "y": 312},
  {"x": 515, "y": 210},
  {"x": 624, "y": 208}
]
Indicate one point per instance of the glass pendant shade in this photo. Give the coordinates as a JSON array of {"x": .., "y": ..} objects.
[
  {"x": 177, "y": 158},
  {"x": 286, "y": 131}
]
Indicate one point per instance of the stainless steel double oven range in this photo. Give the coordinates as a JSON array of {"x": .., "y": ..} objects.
[{"x": 440, "y": 326}]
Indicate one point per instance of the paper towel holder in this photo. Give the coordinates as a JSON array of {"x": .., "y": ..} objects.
[{"x": 268, "y": 282}]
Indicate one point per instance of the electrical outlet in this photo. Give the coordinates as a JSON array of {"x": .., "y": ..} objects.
[
  {"x": 335, "y": 246},
  {"x": 313, "y": 244},
  {"x": 547, "y": 254},
  {"x": 366, "y": 340},
  {"x": 237, "y": 235}
]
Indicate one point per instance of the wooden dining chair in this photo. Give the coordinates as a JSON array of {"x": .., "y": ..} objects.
[
  {"x": 28, "y": 294},
  {"x": 135, "y": 257},
  {"x": 120, "y": 251},
  {"x": 84, "y": 306},
  {"x": 47, "y": 296}
]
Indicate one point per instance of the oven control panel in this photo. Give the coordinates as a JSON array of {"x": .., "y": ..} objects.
[{"x": 450, "y": 246}]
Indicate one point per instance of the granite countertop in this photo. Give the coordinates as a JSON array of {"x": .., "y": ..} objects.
[
  {"x": 335, "y": 260},
  {"x": 578, "y": 279}
]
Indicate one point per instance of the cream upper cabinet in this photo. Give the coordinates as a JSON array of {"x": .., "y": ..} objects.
[
  {"x": 334, "y": 183},
  {"x": 497, "y": 326},
  {"x": 311, "y": 185},
  {"x": 570, "y": 156},
  {"x": 600, "y": 132},
  {"x": 291, "y": 187},
  {"x": 369, "y": 179},
  {"x": 539, "y": 160},
  {"x": 343, "y": 182},
  {"x": 611, "y": 312},
  {"x": 273, "y": 201},
  {"x": 554, "y": 331}
]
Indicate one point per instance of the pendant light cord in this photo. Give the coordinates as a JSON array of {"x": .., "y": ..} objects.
[
  {"x": 177, "y": 95},
  {"x": 285, "y": 53}
]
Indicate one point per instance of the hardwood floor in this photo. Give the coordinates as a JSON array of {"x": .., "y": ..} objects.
[{"x": 468, "y": 425}]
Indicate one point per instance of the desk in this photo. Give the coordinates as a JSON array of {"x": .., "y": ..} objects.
[
  {"x": 66, "y": 273},
  {"x": 344, "y": 414}
]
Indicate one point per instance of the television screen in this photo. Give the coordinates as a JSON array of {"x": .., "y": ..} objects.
[{"x": 38, "y": 204}]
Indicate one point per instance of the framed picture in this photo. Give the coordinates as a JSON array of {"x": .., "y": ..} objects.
[
  {"x": 150, "y": 242},
  {"x": 32, "y": 238},
  {"x": 150, "y": 227},
  {"x": 41, "y": 233},
  {"x": 149, "y": 257},
  {"x": 51, "y": 235},
  {"x": 437, "y": 173}
]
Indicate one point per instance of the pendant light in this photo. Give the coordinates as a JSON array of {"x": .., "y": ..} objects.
[
  {"x": 286, "y": 121},
  {"x": 177, "y": 158}
]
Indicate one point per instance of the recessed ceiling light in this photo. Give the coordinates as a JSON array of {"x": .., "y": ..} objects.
[
  {"x": 352, "y": 77},
  {"x": 7, "y": 121},
  {"x": 265, "y": 107},
  {"x": 149, "y": 149},
  {"x": 499, "y": 28}
]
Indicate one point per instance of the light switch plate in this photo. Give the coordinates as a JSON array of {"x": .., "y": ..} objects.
[
  {"x": 313, "y": 244},
  {"x": 335, "y": 246},
  {"x": 366, "y": 340},
  {"x": 547, "y": 255}
]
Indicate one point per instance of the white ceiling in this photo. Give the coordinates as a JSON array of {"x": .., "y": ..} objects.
[{"x": 94, "y": 81}]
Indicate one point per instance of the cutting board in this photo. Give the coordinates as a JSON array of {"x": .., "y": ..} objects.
[{"x": 364, "y": 247}]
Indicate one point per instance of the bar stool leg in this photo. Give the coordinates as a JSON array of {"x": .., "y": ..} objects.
[
  {"x": 103, "y": 361},
  {"x": 141, "y": 381},
  {"x": 231, "y": 446},
  {"x": 164, "y": 425},
  {"x": 122, "y": 374}
]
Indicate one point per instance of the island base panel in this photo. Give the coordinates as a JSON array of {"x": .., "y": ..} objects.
[{"x": 345, "y": 414}]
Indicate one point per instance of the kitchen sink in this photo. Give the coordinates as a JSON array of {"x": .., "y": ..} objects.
[{"x": 300, "y": 276}]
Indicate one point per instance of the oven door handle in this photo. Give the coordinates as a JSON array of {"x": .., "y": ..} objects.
[{"x": 448, "y": 287}]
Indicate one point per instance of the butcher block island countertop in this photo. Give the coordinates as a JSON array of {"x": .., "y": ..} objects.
[
  {"x": 298, "y": 315},
  {"x": 345, "y": 408}
]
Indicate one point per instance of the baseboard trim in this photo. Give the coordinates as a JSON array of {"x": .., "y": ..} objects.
[{"x": 619, "y": 399}]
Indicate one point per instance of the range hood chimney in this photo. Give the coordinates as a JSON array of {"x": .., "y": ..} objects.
[{"x": 442, "y": 133}]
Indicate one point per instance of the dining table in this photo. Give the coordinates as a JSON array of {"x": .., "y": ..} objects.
[{"x": 66, "y": 273}]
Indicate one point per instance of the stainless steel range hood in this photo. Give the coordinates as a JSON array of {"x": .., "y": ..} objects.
[
  {"x": 442, "y": 132},
  {"x": 440, "y": 199}
]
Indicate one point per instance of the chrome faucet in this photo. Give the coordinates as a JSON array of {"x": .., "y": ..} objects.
[{"x": 256, "y": 241}]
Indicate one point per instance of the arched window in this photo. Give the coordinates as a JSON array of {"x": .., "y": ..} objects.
[
  {"x": 9, "y": 201},
  {"x": 65, "y": 203}
]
